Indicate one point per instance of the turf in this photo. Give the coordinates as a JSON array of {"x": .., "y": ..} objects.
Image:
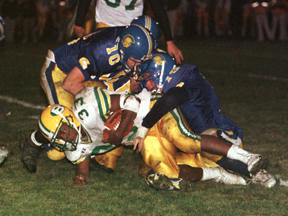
[{"x": 250, "y": 80}]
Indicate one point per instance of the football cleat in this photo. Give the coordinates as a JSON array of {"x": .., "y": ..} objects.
[
  {"x": 161, "y": 182},
  {"x": 264, "y": 178},
  {"x": 29, "y": 154},
  {"x": 255, "y": 163},
  {"x": 226, "y": 177},
  {"x": 3, "y": 154}
]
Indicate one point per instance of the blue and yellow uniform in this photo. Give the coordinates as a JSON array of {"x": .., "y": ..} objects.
[
  {"x": 202, "y": 109},
  {"x": 186, "y": 88},
  {"x": 95, "y": 55}
]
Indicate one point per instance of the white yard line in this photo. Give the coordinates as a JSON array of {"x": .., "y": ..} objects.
[
  {"x": 259, "y": 76},
  {"x": 22, "y": 103},
  {"x": 271, "y": 78}
]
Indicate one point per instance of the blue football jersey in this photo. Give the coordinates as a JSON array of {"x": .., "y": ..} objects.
[
  {"x": 202, "y": 110},
  {"x": 95, "y": 54}
]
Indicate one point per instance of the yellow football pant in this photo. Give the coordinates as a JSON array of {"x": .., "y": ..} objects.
[{"x": 166, "y": 147}]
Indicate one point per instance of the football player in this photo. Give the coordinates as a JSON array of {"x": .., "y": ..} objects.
[
  {"x": 121, "y": 13},
  {"x": 185, "y": 87},
  {"x": 81, "y": 132},
  {"x": 90, "y": 57},
  {"x": 93, "y": 57}
]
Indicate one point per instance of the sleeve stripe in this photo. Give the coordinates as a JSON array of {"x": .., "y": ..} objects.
[{"x": 103, "y": 101}]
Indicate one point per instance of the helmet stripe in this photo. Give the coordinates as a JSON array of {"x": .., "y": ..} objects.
[
  {"x": 149, "y": 39},
  {"x": 148, "y": 22},
  {"x": 43, "y": 129}
]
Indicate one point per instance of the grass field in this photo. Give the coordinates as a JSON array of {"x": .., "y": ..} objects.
[{"x": 251, "y": 81}]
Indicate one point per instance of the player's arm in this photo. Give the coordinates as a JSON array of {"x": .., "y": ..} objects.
[
  {"x": 162, "y": 18},
  {"x": 130, "y": 105},
  {"x": 74, "y": 81},
  {"x": 82, "y": 173},
  {"x": 170, "y": 100},
  {"x": 82, "y": 9}
]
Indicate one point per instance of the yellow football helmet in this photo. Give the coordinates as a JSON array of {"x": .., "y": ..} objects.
[{"x": 61, "y": 127}]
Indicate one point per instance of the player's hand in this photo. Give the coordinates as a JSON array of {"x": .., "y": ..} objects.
[
  {"x": 134, "y": 85},
  {"x": 111, "y": 137},
  {"x": 79, "y": 31},
  {"x": 138, "y": 142},
  {"x": 80, "y": 180},
  {"x": 173, "y": 50}
]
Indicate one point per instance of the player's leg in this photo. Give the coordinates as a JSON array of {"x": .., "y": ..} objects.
[
  {"x": 215, "y": 145},
  {"x": 31, "y": 146},
  {"x": 173, "y": 127},
  {"x": 108, "y": 160},
  {"x": 31, "y": 149},
  {"x": 51, "y": 81},
  {"x": 158, "y": 154},
  {"x": 162, "y": 156},
  {"x": 216, "y": 174}
]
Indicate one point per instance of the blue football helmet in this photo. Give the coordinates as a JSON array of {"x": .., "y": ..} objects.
[
  {"x": 2, "y": 29},
  {"x": 135, "y": 41},
  {"x": 153, "y": 73},
  {"x": 151, "y": 25}
]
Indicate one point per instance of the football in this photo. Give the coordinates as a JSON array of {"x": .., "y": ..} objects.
[{"x": 113, "y": 122}]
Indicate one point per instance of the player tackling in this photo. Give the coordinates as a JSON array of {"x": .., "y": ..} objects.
[{"x": 80, "y": 134}]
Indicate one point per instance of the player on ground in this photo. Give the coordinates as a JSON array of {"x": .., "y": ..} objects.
[
  {"x": 92, "y": 57},
  {"x": 185, "y": 87},
  {"x": 80, "y": 133}
]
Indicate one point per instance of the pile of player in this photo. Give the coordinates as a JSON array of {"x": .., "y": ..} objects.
[{"x": 173, "y": 118}]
